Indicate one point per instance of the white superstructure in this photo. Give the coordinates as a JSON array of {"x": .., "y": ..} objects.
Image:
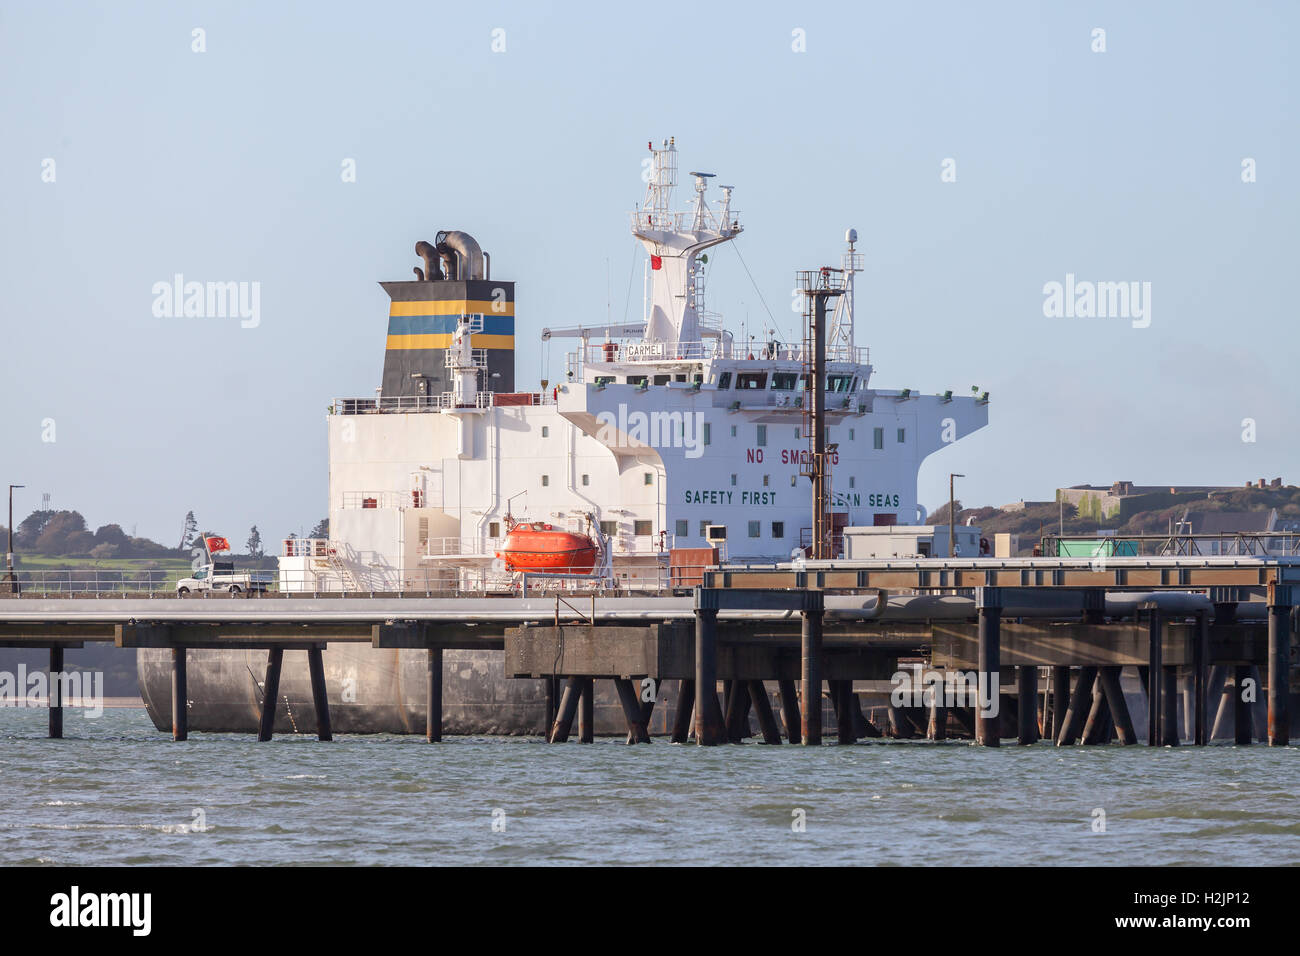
[{"x": 660, "y": 430}]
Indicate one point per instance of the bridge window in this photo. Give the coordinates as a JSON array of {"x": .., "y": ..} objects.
[
  {"x": 839, "y": 383},
  {"x": 751, "y": 380},
  {"x": 724, "y": 380},
  {"x": 785, "y": 381},
  {"x": 663, "y": 379},
  {"x": 636, "y": 379}
]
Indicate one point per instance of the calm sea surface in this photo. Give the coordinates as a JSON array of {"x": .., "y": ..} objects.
[{"x": 116, "y": 791}]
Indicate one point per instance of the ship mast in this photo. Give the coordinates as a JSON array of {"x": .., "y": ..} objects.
[
  {"x": 839, "y": 340},
  {"x": 674, "y": 240}
]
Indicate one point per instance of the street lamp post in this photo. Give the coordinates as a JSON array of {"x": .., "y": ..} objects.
[
  {"x": 10, "y": 578},
  {"x": 952, "y": 515}
]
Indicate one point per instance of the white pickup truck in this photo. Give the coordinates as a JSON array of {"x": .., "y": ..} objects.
[{"x": 222, "y": 576}]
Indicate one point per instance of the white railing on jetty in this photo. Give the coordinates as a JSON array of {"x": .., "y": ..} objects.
[{"x": 91, "y": 583}]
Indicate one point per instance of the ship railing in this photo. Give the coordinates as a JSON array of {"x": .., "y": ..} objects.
[
  {"x": 304, "y": 547},
  {"x": 374, "y": 499},
  {"x": 649, "y": 220},
  {"x": 435, "y": 403}
]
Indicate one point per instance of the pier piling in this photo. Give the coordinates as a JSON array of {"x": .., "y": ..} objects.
[
  {"x": 1279, "y": 665},
  {"x": 682, "y": 715},
  {"x": 708, "y": 716},
  {"x": 1169, "y": 706},
  {"x": 938, "y": 725},
  {"x": 320, "y": 697},
  {"x": 563, "y": 725},
  {"x": 587, "y": 711},
  {"x": 1076, "y": 711},
  {"x": 433, "y": 695},
  {"x": 1119, "y": 715},
  {"x": 790, "y": 710},
  {"x": 1153, "y": 683},
  {"x": 1060, "y": 699},
  {"x": 1027, "y": 714},
  {"x": 1200, "y": 680},
  {"x": 1241, "y": 707},
  {"x": 180, "y": 696},
  {"x": 627, "y": 696},
  {"x": 989, "y": 603},
  {"x": 810, "y": 684},
  {"x": 270, "y": 693},
  {"x": 56, "y": 691},
  {"x": 763, "y": 710}
]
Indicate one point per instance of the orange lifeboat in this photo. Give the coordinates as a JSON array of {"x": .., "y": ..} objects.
[{"x": 535, "y": 546}]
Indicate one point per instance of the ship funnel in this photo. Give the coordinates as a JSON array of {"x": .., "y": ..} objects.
[
  {"x": 462, "y": 254},
  {"x": 429, "y": 254}
]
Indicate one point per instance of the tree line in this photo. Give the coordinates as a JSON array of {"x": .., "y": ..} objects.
[{"x": 66, "y": 534}]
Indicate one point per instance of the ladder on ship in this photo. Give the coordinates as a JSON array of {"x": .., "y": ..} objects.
[{"x": 341, "y": 568}]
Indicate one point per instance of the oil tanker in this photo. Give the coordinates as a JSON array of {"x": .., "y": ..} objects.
[{"x": 660, "y": 447}]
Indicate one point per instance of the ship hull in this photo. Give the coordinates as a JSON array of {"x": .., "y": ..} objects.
[{"x": 371, "y": 691}]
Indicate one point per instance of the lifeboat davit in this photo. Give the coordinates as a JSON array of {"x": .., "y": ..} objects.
[{"x": 535, "y": 546}]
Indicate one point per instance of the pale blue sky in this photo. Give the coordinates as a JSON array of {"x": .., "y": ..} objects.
[{"x": 225, "y": 165}]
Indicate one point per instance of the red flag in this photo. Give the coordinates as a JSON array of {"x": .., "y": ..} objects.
[
  {"x": 656, "y": 263},
  {"x": 216, "y": 544}
]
